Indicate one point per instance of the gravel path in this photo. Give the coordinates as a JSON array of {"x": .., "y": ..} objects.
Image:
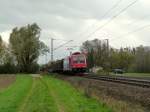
[{"x": 6, "y": 80}]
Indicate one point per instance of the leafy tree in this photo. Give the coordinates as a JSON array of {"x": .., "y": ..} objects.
[
  {"x": 108, "y": 58},
  {"x": 6, "y": 59},
  {"x": 142, "y": 59},
  {"x": 122, "y": 58},
  {"x": 1, "y": 47},
  {"x": 1, "y": 41},
  {"x": 26, "y": 46},
  {"x": 2, "y": 51},
  {"x": 90, "y": 53},
  {"x": 97, "y": 53}
]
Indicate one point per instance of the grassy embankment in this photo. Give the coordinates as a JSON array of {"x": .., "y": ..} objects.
[
  {"x": 137, "y": 74},
  {"x": 46, "y": 94},
  {"x": 71, "y": 100},
  {"x": 133, "y": 74}
]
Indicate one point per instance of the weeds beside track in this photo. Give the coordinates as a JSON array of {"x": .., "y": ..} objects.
[{"x": 118, "y": 79}]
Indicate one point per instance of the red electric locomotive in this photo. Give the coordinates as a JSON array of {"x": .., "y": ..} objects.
[{"x": 76, "y": 62}]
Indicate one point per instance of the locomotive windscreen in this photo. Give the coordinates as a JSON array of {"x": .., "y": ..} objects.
[{"x": 79, "y": 59}]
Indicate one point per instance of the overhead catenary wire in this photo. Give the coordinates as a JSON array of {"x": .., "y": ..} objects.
[
  {"x": 133, "y": 22},
  {"x": 113, "y": 7},
  {"x": 113, "y": 17},
  {"x": 104, "y": 15},
  {"x": 129, "y": 33},
  {"x": 62, "y": 45}
]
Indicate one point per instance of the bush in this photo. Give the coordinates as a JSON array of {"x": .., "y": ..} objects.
[
  {"x": 101, "y": 72},
  {"x": 34, "y": 68},
  {"x": 8, "y": 69}
]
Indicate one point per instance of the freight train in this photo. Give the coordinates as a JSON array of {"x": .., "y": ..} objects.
[{"x": 75, "y": 63}]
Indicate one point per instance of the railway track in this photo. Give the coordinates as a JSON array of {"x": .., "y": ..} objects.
[{"x": 124, "y": 80}]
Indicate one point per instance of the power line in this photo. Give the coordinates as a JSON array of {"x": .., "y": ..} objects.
[
  {"x": 113, "y": 7},
  {"x": 60, "y": 39},
  {"x": 136, "y": 21},
  {"x": 62, "y": 45},
  {"x": 73, "y": 46},
  {"x": 113, "y": 17},
  {"x": 104, "y": 15},
  {"x": 52, "y": 46},
  {"x": 129, "y": 33}
]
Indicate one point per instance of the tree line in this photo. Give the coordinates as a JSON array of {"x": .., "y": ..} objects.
[
  {"x": 24, "y": 48},
  {"x": 22, "y": 52},
  {"x": 129, "y": 59}
]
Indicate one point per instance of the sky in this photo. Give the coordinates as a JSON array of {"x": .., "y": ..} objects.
[{"x": 79, "y": 20}]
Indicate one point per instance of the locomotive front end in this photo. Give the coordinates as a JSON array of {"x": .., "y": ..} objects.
[{"x": 78, "y": 62}]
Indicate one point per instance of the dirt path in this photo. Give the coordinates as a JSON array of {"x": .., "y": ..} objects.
[
  {"x": 48, "y": 94},
  {"x": 59, "y": 104},
  {"x": 36, "y": 75},
  {"x": 6, "y": 80},
  {"x": 38, "y": 98},
  {"x": 24, "y": 103}
]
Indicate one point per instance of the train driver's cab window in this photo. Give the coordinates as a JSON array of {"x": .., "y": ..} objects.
[{"x": 79, "y": 59}]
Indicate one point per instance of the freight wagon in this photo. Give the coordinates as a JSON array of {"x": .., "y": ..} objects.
[{"x": 75, "y": 63}]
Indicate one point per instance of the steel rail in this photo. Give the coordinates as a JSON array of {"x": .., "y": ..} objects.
[{"x": 124, "y": 80}]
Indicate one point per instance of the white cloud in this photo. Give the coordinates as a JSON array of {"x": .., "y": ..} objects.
[
  {"x": 75, "y": 19},
  {"x": 5, "y": 35}
]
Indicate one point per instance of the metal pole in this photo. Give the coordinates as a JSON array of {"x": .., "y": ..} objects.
[
  {"x": 52, "y": 49},
  {"x": 108, "y": 65},
  {"x": 107, "y": 46}
]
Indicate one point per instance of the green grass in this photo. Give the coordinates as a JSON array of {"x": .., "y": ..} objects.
[
  {"x": 134, "y": 74},
  {"x": 69, "y": 99},
  {"x": 39, "y": 98},
  {"x": 137, "y": 74},
  {"x": 11, "y": 98},
  {"x": 46, "y": 94}
]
